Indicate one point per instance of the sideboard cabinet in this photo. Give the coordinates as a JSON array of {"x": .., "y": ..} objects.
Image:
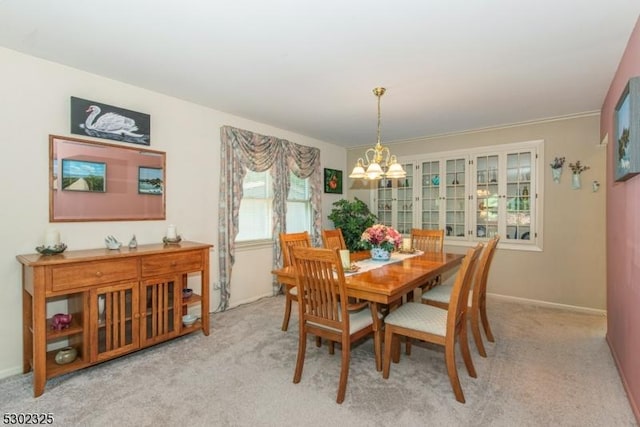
[{"x": 120, "y": 301}]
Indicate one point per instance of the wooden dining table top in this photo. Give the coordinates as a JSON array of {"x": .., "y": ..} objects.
[{"x": 391, "y": 281}]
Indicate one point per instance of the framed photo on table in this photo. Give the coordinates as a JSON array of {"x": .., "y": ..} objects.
[
  {"x": 626, "y": 122},
  {"x": 332, "y": 181}
]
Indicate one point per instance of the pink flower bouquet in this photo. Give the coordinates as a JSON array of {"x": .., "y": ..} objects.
[{"x": 382, "y": 236}]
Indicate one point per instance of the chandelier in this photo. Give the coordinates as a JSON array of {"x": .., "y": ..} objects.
[{"x": 378, "y": 160}]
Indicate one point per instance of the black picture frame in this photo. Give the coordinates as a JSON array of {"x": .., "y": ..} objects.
[
  {"x": 150, "y": 181},
  {"x": 108, "y": 122},
  {"x": 332, "y": 181},
  {"x": 82, "y": 175},
  {"x": 626, "y": 122}
]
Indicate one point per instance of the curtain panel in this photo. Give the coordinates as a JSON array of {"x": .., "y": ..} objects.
[{"x": 242, "y": 150}]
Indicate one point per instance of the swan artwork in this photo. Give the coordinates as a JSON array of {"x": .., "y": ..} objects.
[{"x": 112, "y": 126}]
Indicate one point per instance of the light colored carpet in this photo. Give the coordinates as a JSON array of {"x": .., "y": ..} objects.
[{"x": 547, "y": 367}]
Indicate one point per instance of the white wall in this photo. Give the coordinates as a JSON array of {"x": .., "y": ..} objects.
[{"x": 35, "y": 103}]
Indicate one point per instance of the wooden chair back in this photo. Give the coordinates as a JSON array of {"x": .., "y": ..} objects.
[
  {"x": 482, "y": 272},
  {"x": 333, "y": 239},
  {"x": 456, "y": 316},
  {"x": 289, "y": 240},
  {"x": 321, "y": 280},
  {"x": 427, "y": 240}
]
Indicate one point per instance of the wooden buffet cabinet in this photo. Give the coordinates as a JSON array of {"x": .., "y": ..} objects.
[{"x": 120, "y": 301}]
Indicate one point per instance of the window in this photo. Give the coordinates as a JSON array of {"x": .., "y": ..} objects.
[{"x": 256, "y": 207}]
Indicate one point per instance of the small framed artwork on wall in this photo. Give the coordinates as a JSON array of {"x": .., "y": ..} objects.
[
  {"x": 332, "y": 181},
  {"x": 626, "y": 122}
]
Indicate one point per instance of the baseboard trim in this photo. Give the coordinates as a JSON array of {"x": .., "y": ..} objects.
[
  {"x": 6, "y": 373},
  {"x": 625, "y": 385},
  {"x": 548, "y": 304}
]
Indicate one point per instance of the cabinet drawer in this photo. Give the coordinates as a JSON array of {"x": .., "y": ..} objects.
[
  {"x": 171, "y": 263},
  {"x": 93, "y": 273}
]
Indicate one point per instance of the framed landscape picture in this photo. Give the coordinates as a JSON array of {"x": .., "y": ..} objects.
[
  {"x": 80, "y": 175},
  {"x": 150, "y": 180},
  {"x": 626, "y": 122},
  {"x": 332, "y": 181}
]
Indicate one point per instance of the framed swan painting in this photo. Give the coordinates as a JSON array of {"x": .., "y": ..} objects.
[{"x": 106, "y": 121}]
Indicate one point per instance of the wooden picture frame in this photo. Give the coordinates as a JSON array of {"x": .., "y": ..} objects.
[
  {"x": 332, "y": 181},
  {"x": 626, "y": 122},
  {"x": 119, "y": 166},
  {"x": 108, "y": 122}
]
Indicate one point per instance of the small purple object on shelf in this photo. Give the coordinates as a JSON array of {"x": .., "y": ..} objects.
[
  {"x": 60, "y": 321},
  {"x": 186, "y": 293}
]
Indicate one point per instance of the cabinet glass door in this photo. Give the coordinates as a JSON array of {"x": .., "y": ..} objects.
[
  {"x": 158, "y": 310},
  {"x": 455, "y": 212},
  {"x": 404, "y": 199},
  {"x": 116, "y": 323},
  {"x": 518, "y": 218},
  {"x": 430, "y": 197},
  {"x": 487, "y": 196},
  {"x": 385, "y": 202}
]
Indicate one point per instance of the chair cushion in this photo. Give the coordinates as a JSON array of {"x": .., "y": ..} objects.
[
  {"x": 440, "y": 293},
  {"x": 357, "y": 320},
  {"x": 420, "y": 317},
  {"x": 293, "y": 290}
]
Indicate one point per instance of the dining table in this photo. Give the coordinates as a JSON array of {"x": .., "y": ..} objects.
[{"x": 386, "y": 282}]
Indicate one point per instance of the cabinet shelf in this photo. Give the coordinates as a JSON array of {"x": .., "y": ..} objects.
[
  {"x": 74, "y": 328},
  {"x": 193, "y": 299},
  {"x": 53, "y": 369}
]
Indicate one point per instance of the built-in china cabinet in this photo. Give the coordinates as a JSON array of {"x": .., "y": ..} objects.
[{"x": 473, "y": 195}]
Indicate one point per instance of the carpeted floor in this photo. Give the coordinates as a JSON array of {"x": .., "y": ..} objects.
[{"x": 547, "y": 367}]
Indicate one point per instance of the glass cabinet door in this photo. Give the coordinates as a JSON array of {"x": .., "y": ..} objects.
[
  {"x": 117, "y": 321},
  {"x": 519, "y": 206},
  {"x": 487, "y": 196},
  {"x": 430, "y": 198},
  {"x": 384, "y": 202},
  {"x": 159, "y": 310},
  {"x": 455, "y": 211},
  {"x": 404, "y": 198}
]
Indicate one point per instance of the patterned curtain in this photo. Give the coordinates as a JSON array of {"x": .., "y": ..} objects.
[{"x": 242, "y": 150}]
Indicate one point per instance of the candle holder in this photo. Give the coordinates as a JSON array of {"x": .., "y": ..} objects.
[
  {"x": 51, "y": 250},
  {"x": 168, "y": 241}
]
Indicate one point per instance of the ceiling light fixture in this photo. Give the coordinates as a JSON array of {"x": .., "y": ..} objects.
[{"x": 378, "y": 160}]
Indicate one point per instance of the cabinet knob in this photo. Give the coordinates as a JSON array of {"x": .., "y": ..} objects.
[
  {"x": 137, "y": 315},
  {"x": 174, "y": 263},
  {"x": 98, "y": 273}
]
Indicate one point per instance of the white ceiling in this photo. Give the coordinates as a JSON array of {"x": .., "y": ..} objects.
[{"x": 310, "y": 67}]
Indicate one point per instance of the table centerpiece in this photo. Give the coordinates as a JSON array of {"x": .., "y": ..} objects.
[{"x": 381, "y": 240}]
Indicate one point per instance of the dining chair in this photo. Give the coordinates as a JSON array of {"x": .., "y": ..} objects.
[
  {"x": 436, "y": 325},
  {"x": 427, "y": 241},
  {"x": 287, "y": 241},
  {"x": 333, "y": 239},
  {"x": 322, "y": 289},
  {"x": 441, "y": 295}
]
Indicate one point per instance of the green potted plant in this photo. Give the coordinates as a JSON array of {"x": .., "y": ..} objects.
[{"x": 352, "y": 217}]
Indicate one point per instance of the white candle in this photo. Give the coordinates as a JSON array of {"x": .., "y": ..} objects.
[
  {"x": 345, "y": 258},
  {"x": 171, "y": 232},
  {"x": 406, "y": 244},
  {"x": 52, "y": 238}
]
